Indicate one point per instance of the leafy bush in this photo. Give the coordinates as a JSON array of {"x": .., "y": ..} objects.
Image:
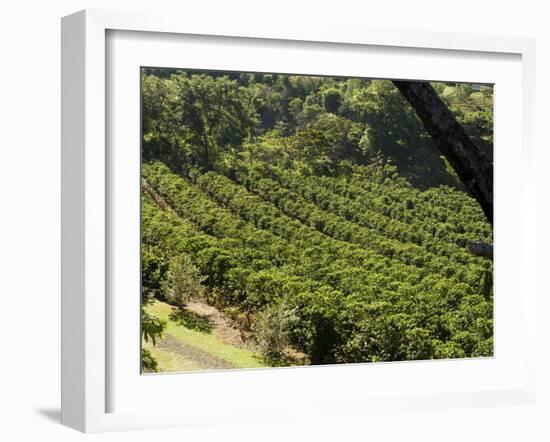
[
  {"x": 183, "y": 281},
  {"x": 271, "y": 332}
]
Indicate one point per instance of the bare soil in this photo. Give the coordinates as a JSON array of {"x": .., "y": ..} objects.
[
  {"x": 221, "y": 327},
  {"x": 198, "y": 356}
]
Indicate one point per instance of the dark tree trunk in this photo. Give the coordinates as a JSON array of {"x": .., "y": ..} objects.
[
  {"x": 481, "y": 248},
  {"x": 471, "y": 165}
]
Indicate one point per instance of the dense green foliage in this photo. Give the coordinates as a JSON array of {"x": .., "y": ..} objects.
[
  {"x": 152, "y": 328},
  {"x": 318, "y": 209},
  {"x": 202, "y": 119}
]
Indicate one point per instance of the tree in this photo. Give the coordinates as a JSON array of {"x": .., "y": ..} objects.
[
  {"x": 190, "y": 119},
  {"x": 332, "y": 99},
  {"x": 393, "y": 131},
  {"x": 183, "y": 281},
  {"x": 271, "y": 332},
  {"x": 471, "y": 165},
  {"x": 163, "y": 135},
  {"x": 151, "y": 326},
  {"x": 217, "y": 113},
  {"x": 151, "y": 329}
]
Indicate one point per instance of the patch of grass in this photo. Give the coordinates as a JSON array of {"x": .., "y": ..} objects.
[{"x": 207, "y": 342}]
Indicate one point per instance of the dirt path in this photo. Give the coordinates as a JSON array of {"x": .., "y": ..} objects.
[
  {"x": 221, "y": 327},
  {"x": 199, "y": 357},
  {"x": 198, "y": 338}
]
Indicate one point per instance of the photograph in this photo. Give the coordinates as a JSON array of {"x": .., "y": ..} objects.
[
  {"x": 298, "y": 220},
  {"x": 225, "y": 222}
]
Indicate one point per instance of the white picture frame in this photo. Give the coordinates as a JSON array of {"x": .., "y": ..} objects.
[{"x": 88, "y": 322}]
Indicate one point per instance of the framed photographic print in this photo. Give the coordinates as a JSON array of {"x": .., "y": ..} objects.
[{"x": 294, "y": 223}]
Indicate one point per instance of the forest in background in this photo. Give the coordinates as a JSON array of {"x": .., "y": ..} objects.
[{"x": 315, "y": 213}]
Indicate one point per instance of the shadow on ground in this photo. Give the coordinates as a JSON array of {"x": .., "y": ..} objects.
[
  {"x": 191, "y": 320},
  {"x": 51, "y": 414}
]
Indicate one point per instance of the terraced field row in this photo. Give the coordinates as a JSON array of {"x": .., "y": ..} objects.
[
  {"x": 443, "y": 212},
  {"x": 435, "y": 236}
]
